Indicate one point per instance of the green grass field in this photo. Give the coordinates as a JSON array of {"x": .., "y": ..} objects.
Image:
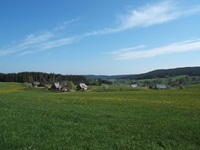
[{"x": 38, "y": 119}]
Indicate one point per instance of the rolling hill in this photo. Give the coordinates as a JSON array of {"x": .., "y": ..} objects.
[{"x": 160, "y": 73}]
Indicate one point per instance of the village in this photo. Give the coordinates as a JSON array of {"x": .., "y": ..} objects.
[
  {"x": 68, "y": 86},
  {"x": 63, "y": 86}
]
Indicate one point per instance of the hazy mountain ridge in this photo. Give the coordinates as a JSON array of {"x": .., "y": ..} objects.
[{"x": 160, "y": 73}]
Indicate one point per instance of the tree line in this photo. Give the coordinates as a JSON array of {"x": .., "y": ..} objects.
[
  {"x": 40, "y": 77},
  {"x": 98, "y": 82}
]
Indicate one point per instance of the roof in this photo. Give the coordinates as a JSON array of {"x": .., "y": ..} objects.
[
  {"x": 57, "y": 84},
  {"x": 61, "y": 84},
  {"x": 36, "y": 83},
  {"x": 161, "y": 86},
  {"x": 134, "y": 85},
  {"x": 83, "y": 85}
]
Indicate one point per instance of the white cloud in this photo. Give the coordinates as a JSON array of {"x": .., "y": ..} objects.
[
  {"x": 127, "y": 50},
  {"x": 148, "y": 15},
  {"x": 65, "y": 24},
  {"x": 180, "y": 47},
  {"x": 37, "y": 38},
  {"x": 30, "y": 42},
  {"x": 5, "y": 52},
  {"x": 56, "y": 43},
  {"x": 39, "y": 41},
  {"x": 25, "y": 53}
]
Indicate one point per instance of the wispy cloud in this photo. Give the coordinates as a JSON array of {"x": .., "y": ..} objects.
[
  {"x": 145, "y": 16},
  {"x": 134, "y": 53},
  {"x": 65, "y": 24},
  {"x": 148, "y": 15},
  {"x": 127, "y": 50},
  {"x": 28, "y": 52},
  {"x": 30, "y": 42},
  {"x": 39, "y": 41},
  {"x": 33, "y": 39},
  {"x": 57, "y": 43},
  {"x": 6, "y": 52}
]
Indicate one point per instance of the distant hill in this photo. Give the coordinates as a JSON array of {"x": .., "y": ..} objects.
[{"x": 161, "y": 73}]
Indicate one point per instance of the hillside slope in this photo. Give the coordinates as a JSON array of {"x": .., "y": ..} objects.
[{"x": 161, "y": 73}]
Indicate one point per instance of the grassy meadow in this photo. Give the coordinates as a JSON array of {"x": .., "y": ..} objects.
[{"x": 102, "y": 118}]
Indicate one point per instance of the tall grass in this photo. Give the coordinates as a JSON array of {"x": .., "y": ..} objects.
[{"x": 140, "y": 119}]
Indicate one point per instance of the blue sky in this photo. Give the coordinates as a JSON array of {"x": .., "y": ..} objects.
[{"x": 101, "y": 37}]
